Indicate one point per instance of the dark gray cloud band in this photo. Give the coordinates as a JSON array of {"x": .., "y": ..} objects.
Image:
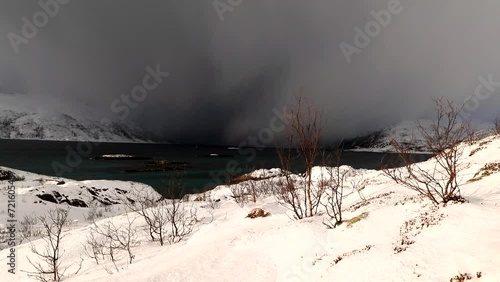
[{"x": 227, "y": 76}]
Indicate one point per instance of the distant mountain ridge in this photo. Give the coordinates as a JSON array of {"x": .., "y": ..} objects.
[
  {"x": 405, "y": 132},
  {"x": 20, "y": 122}
]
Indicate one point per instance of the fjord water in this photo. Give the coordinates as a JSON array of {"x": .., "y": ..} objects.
[{"x": 205, "y": 172}]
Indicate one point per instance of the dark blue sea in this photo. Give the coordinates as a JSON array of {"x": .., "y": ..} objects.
[{"x": 209, "y": 166}]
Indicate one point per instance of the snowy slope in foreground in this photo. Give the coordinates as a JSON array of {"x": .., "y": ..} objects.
[
  {"x": 403, "y": 238},
  {"x": 404, "y": 132},
  {"x": 19, "y": 120}
]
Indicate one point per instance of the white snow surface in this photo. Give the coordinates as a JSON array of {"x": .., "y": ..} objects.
[
  {"x": 226, "y": 246},
  {"x": 265, "y": 173}
]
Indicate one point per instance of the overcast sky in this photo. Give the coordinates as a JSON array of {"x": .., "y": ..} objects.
[{"x": 226, "y": 76}]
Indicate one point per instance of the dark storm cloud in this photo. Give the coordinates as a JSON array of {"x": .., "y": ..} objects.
[{"x": 227, "y": 76}]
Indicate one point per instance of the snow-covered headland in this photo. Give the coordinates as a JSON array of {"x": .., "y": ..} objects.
[
  {"x": 24, "y": 117},
  {"x": 406, "y": 133},
  {"x": 392, "y": 234}
]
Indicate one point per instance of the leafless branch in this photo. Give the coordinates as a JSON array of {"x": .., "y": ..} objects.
[
  {"x": 443, "y": 139},
  {"x": 48, "y": 263},
  {"x": 304, "y": 128}
]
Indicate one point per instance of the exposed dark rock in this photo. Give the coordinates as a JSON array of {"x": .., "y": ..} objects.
[
  {"x": 106, "y": 201},
  {"x": 56, "y": 198},
  {"x": 91, "y": 191},
  {"x": 78, "y": 203},
  {"x": 8, "y": 175},
  {"x": 48, "y": 198},
  {"x": 120, "y": 191},
  {"x": 5, "y": 174}
]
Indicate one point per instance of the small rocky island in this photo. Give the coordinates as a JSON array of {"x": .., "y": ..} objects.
[
  {"x": 161, "y": 165},
  {"x": 150, "y": 164},
  {"x": 121, "y": 157}
]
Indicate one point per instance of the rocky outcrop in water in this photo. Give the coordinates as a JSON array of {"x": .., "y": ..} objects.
[{"x": 161, "y": 165}]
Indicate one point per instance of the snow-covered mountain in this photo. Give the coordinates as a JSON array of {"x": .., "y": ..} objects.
[
  {"x": 405, "y": 132},
  {"x": 27, "y": 125},
  {"x": 19, "y": 119}
]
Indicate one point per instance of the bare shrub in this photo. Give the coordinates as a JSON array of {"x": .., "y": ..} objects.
[
  {"x": 334, "y": 185},
  {"x": 167, "y": 220},
  {"x": 358, "y": 183},
  {"x": 95, "y": 247},
  {"x": 108, "y": 208},
  {"x": 250, "y": 187},
  {"x": 239, "y": 194},
  {"x": 304, "y": 127},
  {"x": 254, "y": 187},
  {"x": 244, "y": 187},
  {"x": 95, "y": 212},
  {"x": 28, "y": 228},
  {"x": 268, "y": 186},
  {"x": 288, "y": 194},
  {"x": 48, "y": 265},
  {"x": 112, "y": 239},
  {"x": 443, "y": 139},
  {"x": 144, "y": 202},
  {"x": 496, "y": 126},
  {"x": 181, "y": 220},
  {"x": 212, "y": 205},
  {"x": 180, "y": 217}
]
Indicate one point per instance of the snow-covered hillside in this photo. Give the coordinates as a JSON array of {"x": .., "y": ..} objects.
[
  {"x": 404, "y": 132},
  {"x": 19, "y": 119},
  {"x": 391, "y": 234}
]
